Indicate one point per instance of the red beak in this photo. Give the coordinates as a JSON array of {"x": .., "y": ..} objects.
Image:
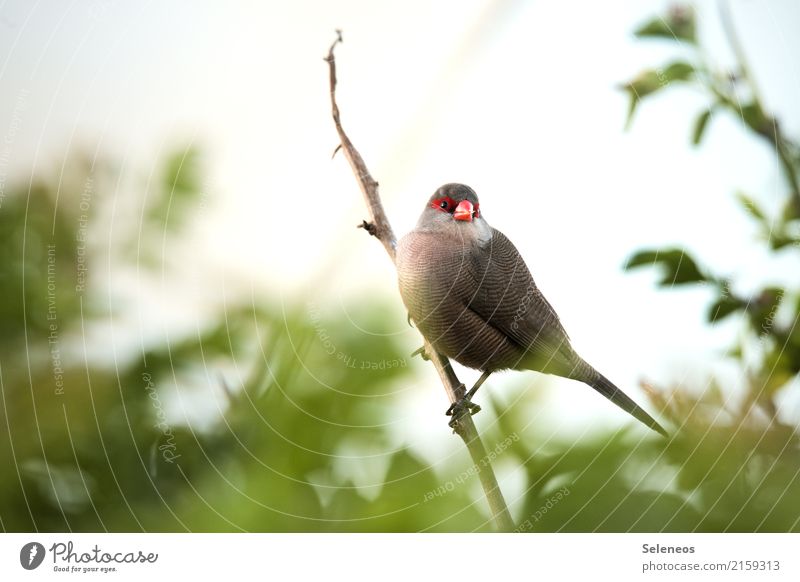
[{"x": 464, "y": 211}]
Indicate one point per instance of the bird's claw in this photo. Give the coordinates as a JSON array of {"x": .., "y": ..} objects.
[{"x": 461, "y": 407}]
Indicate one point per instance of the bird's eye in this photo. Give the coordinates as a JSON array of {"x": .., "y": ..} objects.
[{"x": 445, "y": 204}]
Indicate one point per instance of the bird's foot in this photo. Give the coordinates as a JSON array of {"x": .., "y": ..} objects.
[{"x": 461, "y": 407}]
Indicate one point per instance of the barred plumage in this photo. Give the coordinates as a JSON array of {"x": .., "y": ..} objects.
[{"x": 469, "y": 292}]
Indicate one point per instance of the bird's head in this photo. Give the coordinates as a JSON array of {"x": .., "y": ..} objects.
[{"x": 452, "y": 206}]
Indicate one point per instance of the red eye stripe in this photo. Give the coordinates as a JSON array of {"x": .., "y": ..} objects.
[
  {"x": 445, "y": 204},
  {"x": 476, "y": 210}
]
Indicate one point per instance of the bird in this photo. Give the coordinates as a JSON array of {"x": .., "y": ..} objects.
[{"x": 468, "y": 290}]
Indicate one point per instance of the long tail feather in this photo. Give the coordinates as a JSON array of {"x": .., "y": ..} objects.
[{"x": 605, "y": 387}]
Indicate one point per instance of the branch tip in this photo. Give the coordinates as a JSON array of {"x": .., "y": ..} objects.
[{"x": 338, "y": 40}]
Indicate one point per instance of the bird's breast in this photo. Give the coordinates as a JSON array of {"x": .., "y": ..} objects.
[{"x": 438, "y": 280}]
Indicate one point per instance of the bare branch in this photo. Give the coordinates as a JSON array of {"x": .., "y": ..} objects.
[{"x": 378, "y": 226}]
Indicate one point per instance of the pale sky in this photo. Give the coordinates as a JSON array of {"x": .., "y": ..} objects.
[{"x": 517, "y": 99}]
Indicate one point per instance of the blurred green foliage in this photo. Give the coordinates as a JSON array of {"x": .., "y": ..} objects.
[
  {"x": 90, "y": 443},
  {"x": 753, "y": 448},
  {"x": 770, "y": 314}
]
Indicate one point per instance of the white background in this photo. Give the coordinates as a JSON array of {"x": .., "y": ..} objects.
[{"x": 400, "y": 557}]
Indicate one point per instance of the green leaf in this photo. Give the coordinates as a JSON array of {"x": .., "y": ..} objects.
[
  {"x": 181, "y": 175},
  {"x": 723, "y": 307},
  {"x": 632, "y": 105},
  {"x": 657, "y": 27},
  {"x": 778, "y": 369},
  {"x": 751, "y": 207},
  {"x": 649, "y": 81},
  {"x": 700, "y": 125},
  {"x": 181, "y": 186},
  {"x": 755, "y": 118},
  {"x": 677, "y": 24},
  {"x": 735, "y": 351},
  {"x": 677, "y": 71},
  {"x": 678, "y": 267},
  {"x": 791, "y": 210},
  {"x": 763, "y": 308},
  {"x": 644, "y": 84},
  {"x": 779, "y": 239}
]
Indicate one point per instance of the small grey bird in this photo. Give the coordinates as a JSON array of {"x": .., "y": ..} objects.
[{"x": 471, "y": 295}]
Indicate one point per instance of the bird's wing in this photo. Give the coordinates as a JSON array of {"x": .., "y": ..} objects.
[{"x": 508, "y": 299}]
